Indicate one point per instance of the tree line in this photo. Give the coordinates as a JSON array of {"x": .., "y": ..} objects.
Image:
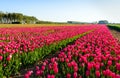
[{"x": 18, "y": 18}]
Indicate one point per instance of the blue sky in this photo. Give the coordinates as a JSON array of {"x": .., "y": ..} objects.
[{"x": 65, "y": 10}]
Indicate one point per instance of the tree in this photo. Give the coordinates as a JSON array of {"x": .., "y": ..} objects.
[{"x": 1, "y": 16}]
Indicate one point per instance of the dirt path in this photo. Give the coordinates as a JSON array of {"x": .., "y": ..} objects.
[{"x": 116, "y": 34}]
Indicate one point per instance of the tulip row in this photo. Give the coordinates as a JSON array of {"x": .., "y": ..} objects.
[
  {"x": 95, "y": 55},
  {"x": 24, "y": 46},
  {"x": 14, "y": 40}
]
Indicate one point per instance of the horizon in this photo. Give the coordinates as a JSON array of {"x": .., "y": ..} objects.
[{"x": 66, "y": 10}]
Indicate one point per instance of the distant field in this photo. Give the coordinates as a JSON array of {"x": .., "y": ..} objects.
[
  {"x": 37, "y": 25},
  {"x": 114, "y": 25}
]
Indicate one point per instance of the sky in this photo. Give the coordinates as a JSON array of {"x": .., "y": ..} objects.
[{"x": 65, "y": 10}]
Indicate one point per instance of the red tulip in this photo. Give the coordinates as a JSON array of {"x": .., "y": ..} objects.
[
  {"x": 55, "y": 70},
  {"x": 9, "y": 57},
  {"x": 89, "y": 66},
  {"x": 1, "y": 57},
  {"x": 26, "y": 76},
  {"x": 75, "y": 68},
  {"x": 37, "y": 67},
  {"x": 117, "y": 76},
  {"x": 97, "y": 73},
  {"x": 109, "y": 63},
  {"x": 67, "y": 60},
  {"x": 68, "y": 75},
  {"x": 118, "y": 66},
  {"x": 29, "y": 72},
  {"x": 52, "y": 76},
  {"x": 75, "y": 75},
  {"x": 43, "y": 67},
  {"x": 39, "y": 72},
  {"x": 48, "y": 76},
  {"x": 87, "y": 73},
  {"x": 104, "y": 73}
]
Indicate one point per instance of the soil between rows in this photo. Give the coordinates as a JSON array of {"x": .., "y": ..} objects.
[{"x": 115, "y": 33}]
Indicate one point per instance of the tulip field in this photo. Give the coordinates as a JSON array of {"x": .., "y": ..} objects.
[{"x": 82, "y": 51}]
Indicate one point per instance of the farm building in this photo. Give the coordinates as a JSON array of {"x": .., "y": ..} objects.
[{"x": 103, "y": 22}]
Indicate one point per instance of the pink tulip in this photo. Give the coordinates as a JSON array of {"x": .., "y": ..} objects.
[
  {"x": 75, "y": 75},
  {"x": 37, "y": 67},
  {"x": 108, "y": 72},
  {"x": 97, "y": 73},
  {"x": 67, "y": 60},
  {"x": 87, "y": 73},
  {"x": 68, "y": 75},
  {"x": 117, "y": 76},
  {"x": 97, "y": 66},
  {"x": 1, "y": 57},
  {"x": 26, "y": 76},
  {"x": 113, "y": 75},
  {"x": 43, "y": 67},
  {"x": 104, "y": 72},
  {"x": 52, "y": 76},
  {"x": 90, "y": 66},
  {"x": 55, "y": 70},
  {"x": 44, "y": 63},
  {"x": 75, "y": 68},
  {"x": 118, "y": 66},
  {"x": 9, "y": 58},
  {"x": 39, "y": 72},
  {"x": 109, "y": 63},
  {"x": 48, "y": 76},
  {"x": 55, "y": 64}
]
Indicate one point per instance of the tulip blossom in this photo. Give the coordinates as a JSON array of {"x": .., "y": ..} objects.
[
  {"x": 1, "y": 57},
  {"x": 87, "y": 73},
  {"x": 68, "y": 75},
  {"x": 118, "y": 66},
  {"x": 75, "y": 75},
  {"x": 109, "y": 63},
  {"x": 9, "y": 57},
  {"x": 28, "y": 74},
  {"x": 97, "y": 73}
]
